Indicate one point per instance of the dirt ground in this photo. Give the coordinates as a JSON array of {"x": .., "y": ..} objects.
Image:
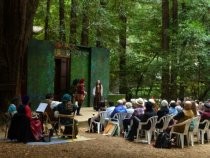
[{"x": 102, "y": 146}]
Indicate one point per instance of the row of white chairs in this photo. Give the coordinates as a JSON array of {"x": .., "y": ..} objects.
[
  {"x": 119, "y": 117},
  {"x": 187, "y": 133}
]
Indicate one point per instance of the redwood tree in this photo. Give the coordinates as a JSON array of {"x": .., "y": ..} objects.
[
  {"x": 16, "y": 20},
  {"x": 165, "y": 49}
]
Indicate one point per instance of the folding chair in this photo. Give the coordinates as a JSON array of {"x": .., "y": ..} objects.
[{"x": 70, "y": 124}]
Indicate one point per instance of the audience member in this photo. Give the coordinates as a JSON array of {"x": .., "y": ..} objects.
[
  {"x": 67, "y": 108},
  {"x": 163, "y": 111}
]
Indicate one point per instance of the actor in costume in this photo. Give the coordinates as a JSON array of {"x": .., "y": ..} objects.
[
  {"x": 97, "y": 93},
  {"x": 80, "y": 95}
]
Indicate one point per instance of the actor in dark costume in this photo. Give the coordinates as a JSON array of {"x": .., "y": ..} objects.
[{"x": 97, "y": 93}]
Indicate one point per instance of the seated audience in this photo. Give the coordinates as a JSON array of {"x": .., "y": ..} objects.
[
  {"x": 205, "y": 114},
  {"x": 138, "y": 112},
  {"x": 179, "y": 105},
  {"x": 186, "y": 113},
  {"x": 24, "y": 127},
  {"x": 149, "y": 112}
]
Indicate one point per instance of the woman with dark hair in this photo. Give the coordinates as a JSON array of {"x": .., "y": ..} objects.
[
  {"x": 23, "y": 127},
  {"x": 97, "y": 93}
]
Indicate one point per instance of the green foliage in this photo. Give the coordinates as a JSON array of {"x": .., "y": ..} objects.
[{"x": 189, "y": 42}]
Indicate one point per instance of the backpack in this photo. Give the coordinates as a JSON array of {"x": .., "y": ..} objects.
[{"x": 163, "y": 140}]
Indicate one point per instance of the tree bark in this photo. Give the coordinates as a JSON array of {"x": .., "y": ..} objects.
[
  {"x": 46, "y": 28},
  {"x": 165, "y": 50},
  {"x": 122, "y": 53},
  {"x": 85, "y": 24},
  {"x": 15, "y": 31},
  {"x": 62, "y": 34},
  {"x": 173, "y": 73},
  {"x": 73, "y": 23},
  {"x": 98, "y": 30}
]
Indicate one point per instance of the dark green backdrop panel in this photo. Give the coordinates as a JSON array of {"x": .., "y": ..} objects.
[
  {"x": 41, "y": 70},
  {"x": 99, "y": 70},
  {"x": 80, "y": 69}
]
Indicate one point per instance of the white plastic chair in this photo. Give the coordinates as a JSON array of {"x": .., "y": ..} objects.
[
  {"x": 149, "y": 132},
  {"x": 186, "y": 123},
  {"x": 196, "y": 121},
  {"x": 118, "y": 119},
  {"x": 204, "y": 130},
  {"x": 165, "y": 119},
  {"x": 103, "y": 117}
]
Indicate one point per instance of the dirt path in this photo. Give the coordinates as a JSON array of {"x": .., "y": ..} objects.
[{"x": 103, "y": 147}]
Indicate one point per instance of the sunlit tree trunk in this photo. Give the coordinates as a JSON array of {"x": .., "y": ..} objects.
[
  {"x": 62, "y": 34},
  {"x": 73, "y": 23},
  {"x": 46, "y": 28},
  {"x": 16, "y": 19},
  {"x": 85, "y": 24},
  {"x": 165, "y": 49}
]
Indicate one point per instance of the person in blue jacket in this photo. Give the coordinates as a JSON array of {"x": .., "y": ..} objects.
[{"x": 119, "y": 108}]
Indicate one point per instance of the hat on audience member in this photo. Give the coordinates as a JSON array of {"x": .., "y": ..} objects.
[
  {"x": 133, "y": 101},
  {"x": 207, "y": 105},
  {"x": 164, "y": 103},
  {"x": 139, "y": 101},
  {"x": 66, "y": 97},
  {"x": 128, "y": 105},
  {"x": 120, "y": 101}
]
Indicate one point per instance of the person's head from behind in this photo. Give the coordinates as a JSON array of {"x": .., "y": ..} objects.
[
  {"x": 163, "y": 104},
  {"x": 206, "y": 106},
  {"x": 119, "y": 102},
  {"x": 128, "y": 105},
  {"x": 148, "y": 106},
  {"x": 187, "y": 105},
  {"x": 172, "y": 104}
]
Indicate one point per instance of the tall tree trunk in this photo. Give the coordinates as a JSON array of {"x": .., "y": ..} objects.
[
  {"x": 122, "y": 53},
  {"x": 16, "y": 28},
  {"x": 62, "y": 34},
  {"x": 99, "y": 27},
  {"x": 73, "y": 23},
  {"x": 165, "y": 48},
  {"x": 85, "y": 24},
  {"x": 46, "y": 28},
  {"x": 173, "y": 73}
]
